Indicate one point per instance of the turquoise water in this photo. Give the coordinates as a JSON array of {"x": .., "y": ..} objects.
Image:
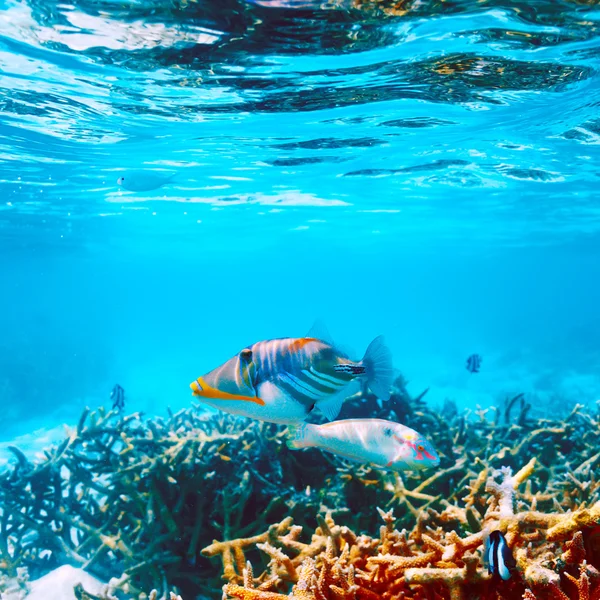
[{"x": 431, "y": 175}]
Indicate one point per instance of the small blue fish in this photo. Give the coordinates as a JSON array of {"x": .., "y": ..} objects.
[
  {"x": 473, "y": 363},
  {"x": 498, "y": 557},
  {"x": 143, "y": 181},
  {"x": 118, "y": 397}
]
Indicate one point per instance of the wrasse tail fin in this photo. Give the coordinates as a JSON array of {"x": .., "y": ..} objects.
[
  {"x": 379, "y": 369},
  {"x": 299, "y": 436}
]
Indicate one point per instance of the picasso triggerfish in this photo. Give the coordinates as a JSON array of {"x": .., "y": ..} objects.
[
  {"x": 377, "y": 442},
  {"x": 283, "y": 380}
]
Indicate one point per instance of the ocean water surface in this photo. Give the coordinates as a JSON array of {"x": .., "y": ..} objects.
[{"x": 179, "y": 179}]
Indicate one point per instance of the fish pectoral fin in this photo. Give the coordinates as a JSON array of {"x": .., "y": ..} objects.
[{"x": 332, "y": 406}]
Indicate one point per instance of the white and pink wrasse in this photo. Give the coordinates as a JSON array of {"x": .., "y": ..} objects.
[{"x": 380, "y": 443}]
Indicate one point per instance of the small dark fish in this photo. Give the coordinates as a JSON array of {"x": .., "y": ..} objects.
[
  {"x": 473, "y": 363},
  {"x": 499, "y": 558},
  {"x": 118, "y": 397}
]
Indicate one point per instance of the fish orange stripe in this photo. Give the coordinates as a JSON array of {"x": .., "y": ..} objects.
[
  {"x": 299, "y": 343},
  {"x": 211, "y": 392}
]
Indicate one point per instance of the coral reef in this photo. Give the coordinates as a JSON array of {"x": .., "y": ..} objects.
[
  {"x": 66, "y": 583},
  {"x": 122, "y": 496},
  {"x": 134, "y": 501},
  {"x": 440, "y": 557}
]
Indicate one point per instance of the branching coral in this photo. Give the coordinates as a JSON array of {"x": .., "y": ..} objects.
[
  {"x": 440, "y": 557},
  {"x": 120, "y": 495},
  {"x": 141, "y": 498}
]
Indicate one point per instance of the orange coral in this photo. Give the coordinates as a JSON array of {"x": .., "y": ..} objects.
[{"x": 432, "y": 560}]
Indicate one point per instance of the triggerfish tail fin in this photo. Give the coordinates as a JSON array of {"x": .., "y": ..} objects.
[
  {"x": 300, "y": 436},
  {"x": 379, "y": 368}
]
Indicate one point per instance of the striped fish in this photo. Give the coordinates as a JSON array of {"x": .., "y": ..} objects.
[
  {"x": 283, "y": 380},
  {"x": 498, "y": 556}
]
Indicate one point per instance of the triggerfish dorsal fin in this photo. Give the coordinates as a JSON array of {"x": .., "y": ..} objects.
[
  {"x": 319, "y": 331},
  {"x": 379, "y": 368}
]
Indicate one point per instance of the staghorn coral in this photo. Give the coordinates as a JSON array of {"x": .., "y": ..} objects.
[
  {"x": 439, "y": 557},
  {"x": 140, "y": 498}
]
